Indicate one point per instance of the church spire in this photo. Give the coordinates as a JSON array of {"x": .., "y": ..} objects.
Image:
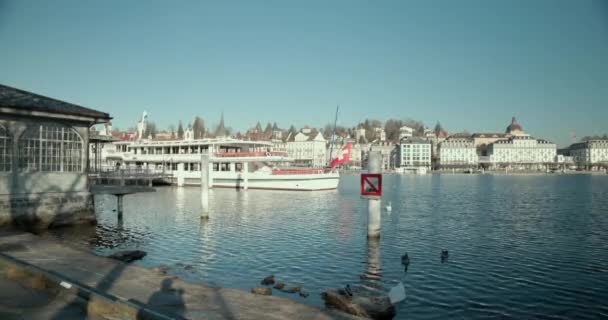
[{"x": 221, "y": 129}]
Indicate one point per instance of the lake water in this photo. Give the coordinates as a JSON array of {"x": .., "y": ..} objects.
[{"x": 520, "y": 246}]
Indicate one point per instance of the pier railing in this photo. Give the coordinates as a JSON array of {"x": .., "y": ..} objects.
[{"x": 124, "y": 176}]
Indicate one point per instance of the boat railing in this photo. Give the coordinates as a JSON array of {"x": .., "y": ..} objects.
[
  {"x": 298, "y": 171},
  {"x": 250, "y": 154},
  {"x": 111, "y": 170}
]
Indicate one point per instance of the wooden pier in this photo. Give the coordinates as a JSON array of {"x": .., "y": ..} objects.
[{"x": 119, "y": 192}]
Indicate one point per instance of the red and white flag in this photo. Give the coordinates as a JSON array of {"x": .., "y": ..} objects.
[{"x": 343, "y": 156}]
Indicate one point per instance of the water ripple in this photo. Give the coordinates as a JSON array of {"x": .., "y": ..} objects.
[{"x": 520, "y": 247}]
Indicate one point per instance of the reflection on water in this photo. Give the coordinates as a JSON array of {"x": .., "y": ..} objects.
[{"x": 520, "y": 246}]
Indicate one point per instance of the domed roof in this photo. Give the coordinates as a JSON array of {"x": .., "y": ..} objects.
[{"x": 514, "y": 126}]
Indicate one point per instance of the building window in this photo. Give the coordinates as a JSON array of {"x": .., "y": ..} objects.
[
  {"x": 50, "y": 147},
  {"x": 6, "y": 150}
]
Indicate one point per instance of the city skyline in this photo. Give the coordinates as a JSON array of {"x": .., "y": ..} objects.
[{"x": 469, "y": 65}]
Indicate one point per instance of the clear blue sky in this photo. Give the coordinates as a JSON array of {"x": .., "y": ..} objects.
[{"x": 469, "y": 64}]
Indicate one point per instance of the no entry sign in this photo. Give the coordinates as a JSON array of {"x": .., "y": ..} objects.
[{"x": 371, "y": 185}]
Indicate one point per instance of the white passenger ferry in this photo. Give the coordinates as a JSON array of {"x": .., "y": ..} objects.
[{"x": 233, "y": 164}]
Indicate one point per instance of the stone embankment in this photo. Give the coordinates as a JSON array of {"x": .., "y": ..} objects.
[{"x": 115, "y": 290}]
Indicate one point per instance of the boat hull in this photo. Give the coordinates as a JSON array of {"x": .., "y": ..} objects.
[{"x": 296, "y": 182}]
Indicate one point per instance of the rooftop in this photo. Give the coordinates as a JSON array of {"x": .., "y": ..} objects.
[
  {"x": 514, "y": 126},
  {"x": 23, "y": 100},
  {"x": 415, "y": 140}
]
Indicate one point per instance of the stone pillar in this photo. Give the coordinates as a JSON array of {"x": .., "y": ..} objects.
[{"x": 374, "y": 165}]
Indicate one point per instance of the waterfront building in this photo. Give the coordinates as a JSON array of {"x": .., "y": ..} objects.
[
  {"x": 307, "y": 148},
  {"x": 517, "y": 149},
  {"x": 524, "y": 153},
  {"x": 44, "y": 160},
  {"x": 386, "y": 148},
  {"x": 563, "y": 159},
  {"x": 414, "y": 154},
  {"x": 482, "y": 140},
  {"x": 590, "y": 154},
  {"x": 457, "y": 152}
]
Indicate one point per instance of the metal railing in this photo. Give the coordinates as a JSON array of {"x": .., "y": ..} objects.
[
  {"x": 249, "y": 154},
  {"x": 124, "y": 176}
]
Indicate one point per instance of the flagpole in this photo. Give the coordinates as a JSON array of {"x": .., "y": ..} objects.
[{"x": 333, "y": 136}]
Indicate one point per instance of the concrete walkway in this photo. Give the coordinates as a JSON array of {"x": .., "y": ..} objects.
[
  {"x": 146, "y": 293},
  {"x": 19, "y": 302}
]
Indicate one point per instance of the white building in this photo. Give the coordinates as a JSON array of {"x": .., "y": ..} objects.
[
  {"x": 380, "y": 134},
  {"x": 457, "y": 152},
  {"x": 405, "y": 132},
  {"x": 189, "y": 133},
  {"x": 277, "y": 135},
  {"x": 562, "y": 159},
  {"x": 521, "y": 152},
  {"x": 360, "y": 133},
  {"x": 590, "y": 153},
  {"x": 414, "y": 153},
  {"x": 308, "y": 149}
]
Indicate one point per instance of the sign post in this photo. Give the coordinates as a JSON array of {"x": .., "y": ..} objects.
[
  {"x": 371, "y": 185},
  {"x": 371, "y": 188}
]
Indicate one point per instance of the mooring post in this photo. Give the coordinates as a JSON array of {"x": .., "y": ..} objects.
[
  {"x": 180, "y": 174},
  {"x": 205, "y": 186},
  {"x": 122, "y": 177},
  {"x": 374, "y": 165},
  {"x": 210, "y": 179},
  {"x": 373, "y": 258},
  {"x": 245, "y": 175},
  {"x": 119, "y": 205}
]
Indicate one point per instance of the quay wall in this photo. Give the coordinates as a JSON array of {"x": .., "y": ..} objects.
[{"x": 37, "y": 211}]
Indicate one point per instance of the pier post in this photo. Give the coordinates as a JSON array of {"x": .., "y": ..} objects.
[
  {"x": 119, "y": 205},
  {"x": 374, "y": 165},
  {"x": 205, "y": 186},
  {"x": 210, "y": 179},
  {"x": 180, "y": 174},
  {"x": 245, "y": 175}
]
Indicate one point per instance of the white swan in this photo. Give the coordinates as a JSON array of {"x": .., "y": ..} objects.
[{"x": 389, "y": 207}]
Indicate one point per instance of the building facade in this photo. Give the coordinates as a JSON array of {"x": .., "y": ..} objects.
[
  {"x": 380, "y": 134},
  {"x": 414, "y": 153},
  {"x": 308, "y": 149},
  {"x": 405, "y": 132},
  {"x": 590, "y": 153},
  {"x": 44, "y": 159},
  {"x": 457, "y": 153},
  {"x": 522, "y": 152}
]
